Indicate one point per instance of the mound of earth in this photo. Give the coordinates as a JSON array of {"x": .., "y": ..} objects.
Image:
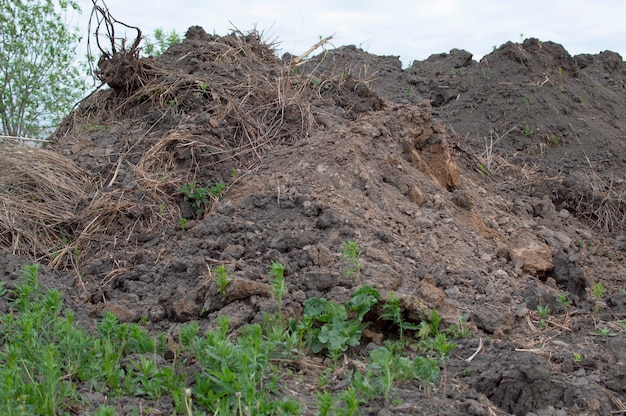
[{"x": 479, "y": 189}]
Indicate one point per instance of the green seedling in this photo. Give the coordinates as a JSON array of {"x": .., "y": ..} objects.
[
  {"x": 598, "y": 290},
  {"x": 182, "y": 221},
  {"x": 216, "y": 190},
  {"x": 392, "y": 312},
  {"x": 578, "y": 357},
  {"x": 351, "y": 253},
  {"x": 331, "y": 328},
  {"x": 543, "y": 312},
  {"x": 277, "y": 271},
  {"x": 460, "y": 329},
  {"x": 603, "y": 332},
  {"x": 562, "y": 299},
  {"x": 324, "y": 403},
  {"x": 195, "y": 195},
  {"x": 221, "y": 275},
  {"x": 362, "y": 301},
  {"x": 527, "y": 130},
  {"x": 95, "y": 127}
]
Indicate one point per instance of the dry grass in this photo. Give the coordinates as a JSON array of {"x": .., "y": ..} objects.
[{"x": 40, "y": 192}]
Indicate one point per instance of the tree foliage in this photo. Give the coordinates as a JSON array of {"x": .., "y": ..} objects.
[
  {"x": 162, "y": 41},
  {"x": 38, "y": 81}
]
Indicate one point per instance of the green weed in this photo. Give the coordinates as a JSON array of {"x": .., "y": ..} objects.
[
  {"x": 543, "y": 312},
  {"x": 598, "y": 290},
  {"x": 217, "y": 189},
  {"x": 222, "y": 281},
  {"x": 562, "y": 299},
  {"x": 392, "y": 312},
  {"x": 334, "y": 330},
  {"x": 277, "y": 271},
  {"x": 182, "y": 222},
  {"x": 351, "y": 253},
  {"x": 603, "y": 332},
  {"x": 527, "y": 130},
  {"x": 197, "y": 196}
]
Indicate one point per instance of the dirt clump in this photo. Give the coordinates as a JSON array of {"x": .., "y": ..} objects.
[{"x": 479, "y": 189}]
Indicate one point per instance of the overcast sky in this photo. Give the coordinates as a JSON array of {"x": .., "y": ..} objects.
[{"x": 411, "y": 29}]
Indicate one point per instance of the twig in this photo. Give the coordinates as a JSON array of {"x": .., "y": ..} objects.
[
  {"x": 478, "y": 350},
  {"x": 299, "y": 59}
]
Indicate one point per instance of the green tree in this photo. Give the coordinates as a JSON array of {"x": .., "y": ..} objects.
[
  {"x": 162, "y": 41},
  {"x": 39, "y": 82}
]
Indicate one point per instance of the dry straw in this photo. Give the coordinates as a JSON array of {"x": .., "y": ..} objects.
[{"x": 40, "y": 192}]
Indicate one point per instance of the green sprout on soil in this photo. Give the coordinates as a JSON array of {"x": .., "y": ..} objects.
[
  {"x": 527, "y": 130},
  {"x": 578, "y": 357},
  {"x": 562, "y": 299},
  {"x": 277, "y": 271},
  {"x": 182, "y": 221},
  {"x": 460, "y": 329},
  {"x": 603, "y": 332},
  {"x": 216, "y": 190},
  {"x": 222, "y": 280},
  {"x": 598, "y": 290},
  {"x": 543, "y": 312},
  {"x": 393, "y": 312},
  {"x": 351, "y": 253},
  {"x": 197, "y": 196}
]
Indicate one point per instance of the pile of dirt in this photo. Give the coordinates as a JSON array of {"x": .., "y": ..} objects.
[{"x": 478, "y": 189}]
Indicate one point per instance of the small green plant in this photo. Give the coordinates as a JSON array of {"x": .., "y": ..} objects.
[
  {"x": 603, "y": 332},
  {"x": 197, "y": 196},
  {"x": 216, "y": 190},
  {"x": 562, "y": 299},
  {"x": 331, "y": 328},
  {"x": 556, "y": 140},
  {"x": 559, "y": 71},
  {"x": 527, "y": 130},
  {"x": 351, "y": 253},
  {"x": 392, "y": 312},
  {"x": 598, "y": 290},
  {"x": 277, "y": 271},
  {"x": 561, "y": 88},
  {"x": 460, "y": 329},
  {"x": 221, "y": 275},
  {"x": 324, "y": 401},
  {"x": 95, "y": 127},
  {"x": 182, "y": 222},
  {"x": 578, "y": 357},
  {"x": 543, "y": 312},
  {"x": 388, "y": 365}
]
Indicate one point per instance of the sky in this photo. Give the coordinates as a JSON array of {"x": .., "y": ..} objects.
[{"x": 409, "y": 29}]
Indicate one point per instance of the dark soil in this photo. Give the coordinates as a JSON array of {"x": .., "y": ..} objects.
[{"x": 480, "y": 189}]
